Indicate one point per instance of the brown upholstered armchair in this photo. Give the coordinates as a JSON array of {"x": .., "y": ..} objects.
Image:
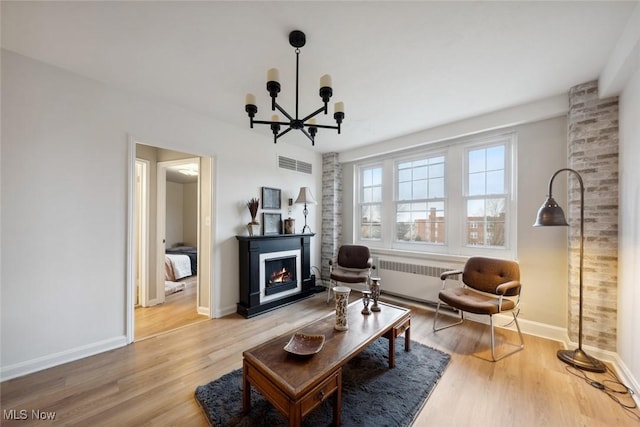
[
  {"x": 353, "y": 264},
  {"x": 489, "y": 286}
]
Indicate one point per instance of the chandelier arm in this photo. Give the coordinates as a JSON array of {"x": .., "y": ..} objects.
[
  {"x": 283, "y": 132},
  {"x": 283, "y": 111},
  {"x": 327, "y": 127},
  {"x": 265, "y": 122},
  {"x": 308, "y": 136},
  {"x": 315, "y": 113}
]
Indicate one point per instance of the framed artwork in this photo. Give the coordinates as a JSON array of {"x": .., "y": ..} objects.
[
  {"x": 270, "y": 198},
  {"x": 272, "y": 223}
]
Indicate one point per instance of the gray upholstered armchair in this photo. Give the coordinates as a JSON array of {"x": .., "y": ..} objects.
[
  {"x": 353, "y": 264},
  {"x": 489, "y": 286}
]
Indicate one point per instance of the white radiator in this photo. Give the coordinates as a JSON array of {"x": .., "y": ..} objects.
[{"x": 411, "y": 278}]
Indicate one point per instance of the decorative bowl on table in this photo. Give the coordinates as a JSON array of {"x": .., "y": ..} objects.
[{"x": 302, "y": 344}]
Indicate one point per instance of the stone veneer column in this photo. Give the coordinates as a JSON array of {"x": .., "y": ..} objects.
[
  {"x": 593, "y": 152},
  {"x": 331, "y": 210}
]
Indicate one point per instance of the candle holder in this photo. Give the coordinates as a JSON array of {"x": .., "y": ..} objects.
[
  {"x": 375, "y": 293},
  {"x": 366, "y": 299}
]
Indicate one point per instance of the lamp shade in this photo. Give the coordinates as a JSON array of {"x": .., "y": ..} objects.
[
  {"x": 305, "y": 196},
  {"x": 550, "y": 214}
]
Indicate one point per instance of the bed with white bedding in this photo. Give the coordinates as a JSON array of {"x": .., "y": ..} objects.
[{"x": 179, "y": 263}]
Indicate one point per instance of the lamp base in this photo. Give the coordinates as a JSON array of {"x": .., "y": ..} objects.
[{"x": 581, "y": 360}]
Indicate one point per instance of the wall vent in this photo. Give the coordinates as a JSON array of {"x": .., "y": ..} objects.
[{"x": 294, "y": 165}]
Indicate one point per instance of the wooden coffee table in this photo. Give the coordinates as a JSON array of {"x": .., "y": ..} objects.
[{"x": 296, "y": 385}]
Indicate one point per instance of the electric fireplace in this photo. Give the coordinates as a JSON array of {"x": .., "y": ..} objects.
[
  {"x": 280, "y": 274},
  {"x": 274, "y": 270}
]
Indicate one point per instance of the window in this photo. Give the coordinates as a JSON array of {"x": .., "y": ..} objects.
[
  {"x": 486, "y": 197},
  {"x": 370, "y": 197},
  {"x": 420, "y": 209},
  {"x": 452, "y": 198}
]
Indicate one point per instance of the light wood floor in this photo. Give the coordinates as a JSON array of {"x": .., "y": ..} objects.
[
  {"x": 152, "y": 382},
  {"x": 178, "y": 310}
]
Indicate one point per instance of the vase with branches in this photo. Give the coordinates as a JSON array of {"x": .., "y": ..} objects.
[
  {"x": 254, "y": 226},
  {"x": 253, "y": 209}
]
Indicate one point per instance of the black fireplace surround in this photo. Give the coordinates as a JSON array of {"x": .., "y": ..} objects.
[{"x": 250, "y": 248}]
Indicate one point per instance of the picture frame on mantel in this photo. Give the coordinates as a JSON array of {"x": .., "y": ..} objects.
[
  {"x": 272, "y": 223},
  {"x": 271, "y": 198}
]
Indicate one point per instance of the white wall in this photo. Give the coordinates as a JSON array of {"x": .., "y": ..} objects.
[
  {"x": 541, "y": 252},
  {"x": 629, "y": 231},
  {"x": 190, "y": 214},
  {"x": 64, "y": 207},
  {"x": 182, "y": 214},
  {"x": 174, "y": 214}
]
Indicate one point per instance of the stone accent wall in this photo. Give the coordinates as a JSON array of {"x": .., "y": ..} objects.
[
  {"x": 331, "y": 210},
  {"x": 593, "y": 152}
]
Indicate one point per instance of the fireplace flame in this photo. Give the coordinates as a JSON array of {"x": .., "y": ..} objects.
[{"x": 281, "y": 276}]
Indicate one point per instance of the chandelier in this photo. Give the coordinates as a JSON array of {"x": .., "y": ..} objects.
[{"x": 307, "y": 124}]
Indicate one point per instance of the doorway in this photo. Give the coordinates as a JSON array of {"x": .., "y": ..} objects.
[{"x": 171, "y": 257}]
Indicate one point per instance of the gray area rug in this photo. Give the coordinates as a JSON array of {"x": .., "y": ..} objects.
[{"x": 372, "y": 394}]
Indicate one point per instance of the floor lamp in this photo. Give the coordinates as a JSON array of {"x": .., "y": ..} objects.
[{"x": 550, "y": 214}]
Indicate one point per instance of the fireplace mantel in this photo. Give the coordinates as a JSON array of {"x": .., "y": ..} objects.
[{"x": 250, "y": 249}]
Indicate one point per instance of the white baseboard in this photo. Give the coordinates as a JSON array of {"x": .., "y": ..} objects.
[
  {"x": 51, "y": 360},
  {"x": 204, "y": 311},
  {"x": 627, "y": 378},
  {"x": 225, "y": 311},
  {"x": 559, "y": 334}
]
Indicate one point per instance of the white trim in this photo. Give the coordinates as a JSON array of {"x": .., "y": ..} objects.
[
  {"x": 210, "y": 221},
  {"x": 130, "y": 262},
  {"x": 55, "y": 359},
  {"x": 623, "y": 60},
  {"x": 625, "y": 375},
  {"x": 143, "y": 230},
  {"x": 161, "y": 220}
]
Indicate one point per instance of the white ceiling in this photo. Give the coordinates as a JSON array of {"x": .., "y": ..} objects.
[{"x": 399, "y": 67}]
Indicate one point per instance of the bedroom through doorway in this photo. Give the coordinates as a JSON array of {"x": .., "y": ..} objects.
[{"x": 168, "y": 235}]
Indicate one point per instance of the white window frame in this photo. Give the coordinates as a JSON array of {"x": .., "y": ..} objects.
[
  {"x": 456, "y": 182},
  {"x": 414, "y": 245},
  {"x": 359, "y": 204}
]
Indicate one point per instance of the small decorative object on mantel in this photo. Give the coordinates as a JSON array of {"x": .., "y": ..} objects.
[
  {"x": 254, "y": 226},
  {"x": 289, "y": 223},
  {"x": 375, "y": 293},
  {"x": 289, "y": 226}
]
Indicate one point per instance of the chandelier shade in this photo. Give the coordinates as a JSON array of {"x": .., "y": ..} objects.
[{"x": 306, "y": 124}]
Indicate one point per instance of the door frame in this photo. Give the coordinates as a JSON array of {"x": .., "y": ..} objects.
[
  {"x": 141, "y": 267},
  {"x": 161, "y": 221},
  {"x": 206, "y": 214}
]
